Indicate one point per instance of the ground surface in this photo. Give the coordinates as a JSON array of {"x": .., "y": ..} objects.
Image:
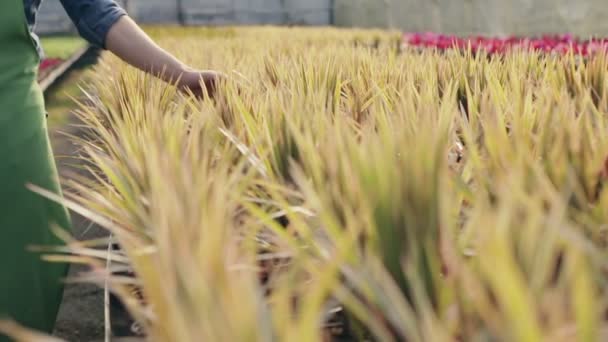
[{"x": 81, "y": 317}]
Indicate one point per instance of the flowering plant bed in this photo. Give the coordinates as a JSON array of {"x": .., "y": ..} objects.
[
  {"x": 558, "y": 44},
  {"x": 51, "y": 69},
  {"x": 47, "y": 65},
  {"x": 59, "y": 51}
]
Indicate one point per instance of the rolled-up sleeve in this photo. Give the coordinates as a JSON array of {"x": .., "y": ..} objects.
[{"x": 93, "y": 18}]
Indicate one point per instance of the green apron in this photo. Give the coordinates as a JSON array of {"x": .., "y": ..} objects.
[{"x": 30, "y": 289}]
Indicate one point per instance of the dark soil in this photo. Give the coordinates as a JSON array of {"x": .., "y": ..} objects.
[{"x": 81, "y": 316}]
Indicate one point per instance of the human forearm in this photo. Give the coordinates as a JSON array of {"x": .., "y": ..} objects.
[{"x": 130, "y": 43}]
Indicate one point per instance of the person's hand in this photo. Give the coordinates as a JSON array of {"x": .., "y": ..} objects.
[
  {"x": 197, "y": 81},
  {"x": 130, "y": 43}
]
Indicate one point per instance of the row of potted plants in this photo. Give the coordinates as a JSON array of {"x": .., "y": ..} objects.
[
  {"x": 560, "y": 44},
  {"x": 48, "y": 64}
]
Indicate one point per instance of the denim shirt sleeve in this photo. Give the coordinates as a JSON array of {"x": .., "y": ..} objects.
[{"x": 93, "y": 18}]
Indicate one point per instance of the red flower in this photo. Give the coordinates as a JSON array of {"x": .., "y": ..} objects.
[
  {"x": 561, "y": 44},
  {"x": 49, "y": 63}
]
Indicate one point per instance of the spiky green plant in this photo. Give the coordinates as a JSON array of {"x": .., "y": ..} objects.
[{"x": 431, "y": 196}]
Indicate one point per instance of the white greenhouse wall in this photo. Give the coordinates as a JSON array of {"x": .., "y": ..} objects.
[
  {"x": 495, "y": 17},
  {"x": 210, "y": 12}
]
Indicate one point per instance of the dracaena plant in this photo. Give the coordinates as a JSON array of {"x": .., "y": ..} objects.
[{"x": 427, "y": 195}]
